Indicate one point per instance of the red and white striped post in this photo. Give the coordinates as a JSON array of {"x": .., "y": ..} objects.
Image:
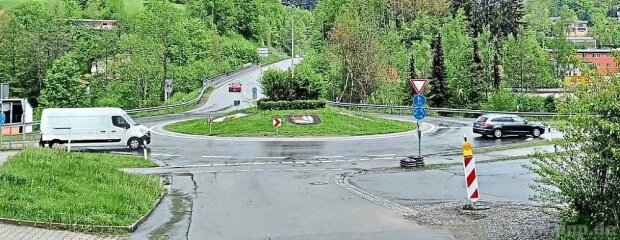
[{"x": 471, "y": 180}]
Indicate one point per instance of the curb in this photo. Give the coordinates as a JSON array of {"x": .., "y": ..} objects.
[
  {"x": 158, "y": 129},
  {"x": 343, "y": 180}
]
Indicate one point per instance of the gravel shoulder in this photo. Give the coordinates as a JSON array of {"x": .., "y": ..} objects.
[{"x": 504, "y": 220}]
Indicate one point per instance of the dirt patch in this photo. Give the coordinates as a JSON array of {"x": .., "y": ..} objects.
[{"x": 501, "y": 221}]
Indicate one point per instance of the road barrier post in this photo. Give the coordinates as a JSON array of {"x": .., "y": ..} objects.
[
  {"x": 145, "y": 148},
  {"x": 23, "y": 131},
  {"x": 471, "y": 178}
]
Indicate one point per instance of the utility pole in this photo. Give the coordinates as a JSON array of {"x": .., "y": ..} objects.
[{"x": 292, "y": 40}]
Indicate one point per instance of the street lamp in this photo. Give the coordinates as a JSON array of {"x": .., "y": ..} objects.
[{"x": 292, "y": 38}]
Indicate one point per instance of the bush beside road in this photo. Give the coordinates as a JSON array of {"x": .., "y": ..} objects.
[
  {"x": 47, "y": 185},
  {"x": 334, "y": 122}
]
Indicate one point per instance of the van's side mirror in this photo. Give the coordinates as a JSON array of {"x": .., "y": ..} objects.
[{"x": 127, "y": 126}]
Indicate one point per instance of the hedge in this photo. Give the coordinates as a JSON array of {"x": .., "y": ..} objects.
[{"x": 286, "y": 105}]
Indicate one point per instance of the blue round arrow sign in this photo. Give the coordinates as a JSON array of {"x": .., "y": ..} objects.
[
  {"x": 419, "y": 100},
  {"x": 419, "y": 113}
]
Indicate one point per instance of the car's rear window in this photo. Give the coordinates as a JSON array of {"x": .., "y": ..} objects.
[{"x": 481, "y": 119}]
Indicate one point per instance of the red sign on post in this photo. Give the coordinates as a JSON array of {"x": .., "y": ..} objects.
[
  {"x": 418, "y": 85},
  {"x": 277, "y": 122}
]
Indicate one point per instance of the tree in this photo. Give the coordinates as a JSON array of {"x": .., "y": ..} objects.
[
  {"x": 438, "y": 93},
  {"x": 585, "y": 176},
  {"x": 354, "y": 42},
  {"x": 64, "y": 86},
  {"x": 526, "y": 64}
]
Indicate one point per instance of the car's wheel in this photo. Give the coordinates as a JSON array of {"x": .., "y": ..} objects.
[
  {"x": 134, "y": 143},
  {"x": 53, "y": 143},
  {"x": 498, "y": 133},
  {"x": 536, "y": 132}
]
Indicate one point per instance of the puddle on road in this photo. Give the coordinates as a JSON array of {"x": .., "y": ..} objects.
[{"x": 181, "y": 204}]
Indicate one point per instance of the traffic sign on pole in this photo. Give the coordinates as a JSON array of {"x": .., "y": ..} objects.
[
  {"x": 277, "y": 122},
  {"x": 2, "y": 118},
  {"x": 419, "y": 100},
  {"x": 419, "y": 113},
  {"x": 418, "y": 85},
  {"x": 471, "y": 180}
]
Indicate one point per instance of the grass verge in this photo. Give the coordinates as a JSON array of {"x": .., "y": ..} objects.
[
  {"x": 48, "y": 185},
  {"x": 259, "y": 123}
]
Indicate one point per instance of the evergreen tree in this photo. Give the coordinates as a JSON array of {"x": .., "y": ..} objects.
[{"x": 439, "y": 93}]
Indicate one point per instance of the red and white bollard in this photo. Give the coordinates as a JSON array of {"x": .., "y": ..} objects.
[{"x": 471, "y": 178}]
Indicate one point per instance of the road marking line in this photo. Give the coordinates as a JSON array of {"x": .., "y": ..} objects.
[
  {"x": 328, "y": 161},
  {"x": 336, "y": 169},
  {"x": 271, "y": 157},
  {"x": 320, "y": 169},
  {"x": 164, "y": 155},
  {"x": 219, "y": 164},
  {"x": 323, "y": 157},
  {"x": 245, "y": 163},
  {"x": 364, "y": 159},
  {"x": 382, "y": 155},
  {"x": 217, "y": 156},
  {"x": 385, "y": 158},
  {"x": 286, "y": 162},
  {"x": 123, "y": 153},
  {"x": 339, "y": 160},
  {"x": 301, "y": 162},
  {"x": 259, "y": 163},
  {"x": 351, "y": 160},
  {"x": 243, "y": 170}
]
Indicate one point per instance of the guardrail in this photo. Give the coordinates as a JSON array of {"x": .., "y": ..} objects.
[
  {"x": 206, "y": 83},
  {"x": 444, "y": 110}
]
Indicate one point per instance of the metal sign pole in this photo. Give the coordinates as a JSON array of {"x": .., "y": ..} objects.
[
  {"x": 11, "y": 122},
  {"x": 419, "y": 140}
]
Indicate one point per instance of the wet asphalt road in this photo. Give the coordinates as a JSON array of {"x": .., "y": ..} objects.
[{"x": 285, "y": 190}]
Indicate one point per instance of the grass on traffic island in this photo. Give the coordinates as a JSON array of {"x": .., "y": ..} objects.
[
  {"x": 334, "y": 122},
  {"x": 54, "y": 186}
]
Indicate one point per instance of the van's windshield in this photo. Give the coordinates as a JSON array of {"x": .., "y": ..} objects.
[{"x": 130, "y": 120}]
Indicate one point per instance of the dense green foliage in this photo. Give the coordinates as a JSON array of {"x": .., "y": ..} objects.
[
  {"x": 287, "y": 105},
  {"x": 364, "y": 47},
  {"x": 48, "y": 185},
  {"x": 517, "y": 102},
  {"x": 586, "y": 178},
  {"x": 334, "y": 122},
  {"x": 281, "y": 86},
  {"x": 438, "y": 92},
  {"x": 49, "y": 57}
]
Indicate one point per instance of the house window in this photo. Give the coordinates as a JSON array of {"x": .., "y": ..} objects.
[
  {"x": 598, "y": 65},
  {"x": 584, "y": 55},
  {"x": 597, "y": 55},
  {"x": 608, "y": 65}
]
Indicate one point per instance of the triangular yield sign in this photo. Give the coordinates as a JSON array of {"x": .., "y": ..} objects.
[{"x": 418, "y": 85}]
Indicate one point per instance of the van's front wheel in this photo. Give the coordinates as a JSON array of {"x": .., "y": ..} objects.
[{"x": 134, "y": 143}]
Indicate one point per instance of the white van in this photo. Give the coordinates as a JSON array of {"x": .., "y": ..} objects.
[{"x": 92, "y": 127}]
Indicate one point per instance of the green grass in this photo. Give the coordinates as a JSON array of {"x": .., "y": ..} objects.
[
  {"x": 333, "y": 123},
  {"x": 131, "y": 6},
  {"x": 49, "y": 185}
]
